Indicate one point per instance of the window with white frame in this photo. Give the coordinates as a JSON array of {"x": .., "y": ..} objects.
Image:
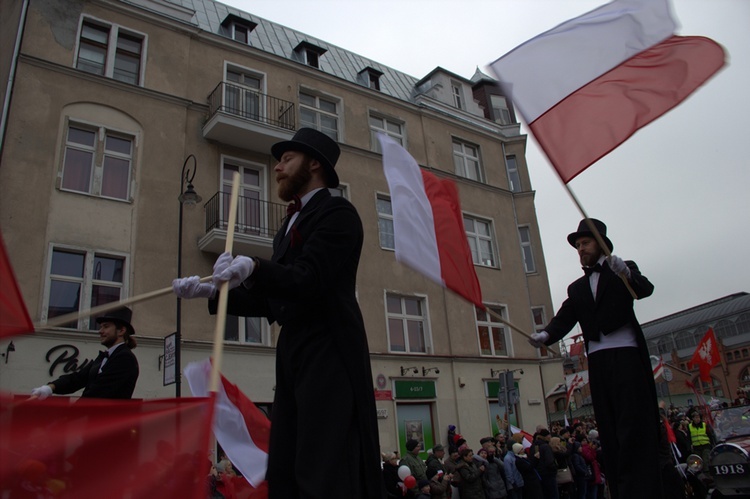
[
  {"x": 81, "y": 279},
  {"x": 242, "y": 95},
  {"x": 385, "y": 222},
  {"x": 514, "y": 179},
  {"x": 97, "y": 161},
  {"x": 524, "y": 234},
  {"x": 252, "y": 210},
  {"x": 388, "y": 126},
  {"x": 342, "y": 191},
  {"x": 479, "y": 234},
  {"x": 466, "y": 161},
  {"x": 320, "y": 113},
  {"x": 538, "y": 316},
  {"x": 492, "y": 333},
  {"x": 407, "y": 325},
  {"x": 112, "y": 51},
  {"x": 458, "y": 99},
  {"x": 500, "y": 109},
  {"x": 246, "y": 330}
]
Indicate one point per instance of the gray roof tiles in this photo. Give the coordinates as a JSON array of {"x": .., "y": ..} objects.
[{"x": 706, "y": 313}]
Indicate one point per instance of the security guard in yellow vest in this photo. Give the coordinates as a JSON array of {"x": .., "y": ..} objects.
[{"x": 702, "y": 437}]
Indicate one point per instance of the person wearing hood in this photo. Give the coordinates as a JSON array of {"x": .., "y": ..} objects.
[
  {"x": 513, "y": 479},
  {"x": 532, "y": 487}
]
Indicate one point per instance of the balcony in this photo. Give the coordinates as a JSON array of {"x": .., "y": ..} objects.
[
  {"x": 257, "y": 223},
  {"x": 242, "y": 117}
]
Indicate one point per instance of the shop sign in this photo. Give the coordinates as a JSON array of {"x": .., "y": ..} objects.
[{"x": 415, "y": 389}]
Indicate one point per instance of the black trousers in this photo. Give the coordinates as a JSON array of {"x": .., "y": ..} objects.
[{"x": 623, "y": 395}]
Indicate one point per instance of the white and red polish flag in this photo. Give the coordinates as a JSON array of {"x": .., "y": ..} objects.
[
  {"x": 658, "y": 367},
  {"x": 239, "y": 426},
  {"x": 587, "y": 85},
  {"x": 428, "y": 224},
  {"x": 574, "y": 382}
]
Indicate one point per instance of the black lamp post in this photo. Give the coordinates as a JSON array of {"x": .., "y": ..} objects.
[{"x": 187, "y": 197}]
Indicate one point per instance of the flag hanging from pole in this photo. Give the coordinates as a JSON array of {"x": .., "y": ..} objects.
[
  {"x": 574, "y": 382},
  {"x": 240, "y": 427},
  {"x": 659, "y": 367},
  {"x": 428, "y": 224},
  {"x": 14, "y": 318},
  {"x": 587, "y": 85},
  {"x": 92, "y": 448},
  {"x": 706, "y": 355}
]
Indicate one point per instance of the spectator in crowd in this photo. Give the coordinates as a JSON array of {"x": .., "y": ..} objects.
[
  {"x": 493, "y": 478},
  {"x": 471, "y": 476},
  {"x": 594, "y": 479},
  {"x": 513, "y": 477},
  {"x": 546, "y": 466},
  {"x": 435, "y": 459},
  {"x": 440, "y": 484},
  {"x": 424, "y": 489},
  {"x": 701, "y": 436},
  {"x": 682, "y": 434},
  {"x": 562, "y": 452},
  {"x": 532, "y": 486},
  {"x": 415, "y": 464},
  {"x": 580, "y": 471},
  {"x": 390, "y": 475},
  {"x": 450, "y": 470}
]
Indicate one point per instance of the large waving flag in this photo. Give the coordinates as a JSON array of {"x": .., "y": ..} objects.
[
  {"x": 587, "y": 85},
  {"x": 14, "y": 318},
  {"x": 92, "y": 448},
  {"x": 240, "y": 427},
  {"x": 428, "y": 224},
  {"x": 575, "y": 381},
  {"x": 706, "y": 355}
]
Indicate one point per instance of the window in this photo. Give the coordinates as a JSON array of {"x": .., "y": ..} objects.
[
  {"x": 514, "y": 180},
  {"x": 500, "y": 111},
  {"x": 743, "y": 323},
  {"x": 309, "y": 53},
  {"x": 242, "y": 93},
  {"x": 251, "y": 212},
  {"x": 528, "y": 253},
  {"x": 493, "y": 338},
  {"x": 111, "y": 51},
  {"x": 389, "y": 127},
  {"x": 466, "y": 161},
  {"x": 245, "y": 330},
  {"x": 342, "y": 191},
  {"x": 374, "y": 81},
  {"x": 81, "y": 279},
  {"x": 385, "y": 222},
  {"x": 479, "y": 234},
  {"x": 97, "y": 161},
  {"x": 240, "y": 33},
  {"x": 725, "y": 329},
  {"x": 712, "y": 389},
  {"x": 684, "y": 339},
  {"x": 457, "y": 95},
  {"x": 319, "y": 113},
  {"x": 406, "y": 324},
  {"x": 665, "y": 345}
]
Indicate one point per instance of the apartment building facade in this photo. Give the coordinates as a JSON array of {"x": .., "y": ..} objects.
[{"x": 110, "y": 104}]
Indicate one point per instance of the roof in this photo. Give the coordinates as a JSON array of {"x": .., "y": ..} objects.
[{"x": 705, "y": 313}]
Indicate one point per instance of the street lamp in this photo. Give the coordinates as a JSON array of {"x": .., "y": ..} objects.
[{"x": 187, "y": 197}]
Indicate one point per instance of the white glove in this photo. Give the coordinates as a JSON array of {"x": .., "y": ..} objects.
[
  {"x": 192, "y": 287},
  {"x": 539, "y": 339},
  {"x": 42, "y": 392},
  {"x": 235, "y": 272},
  {"x": 618, "y": 266}
]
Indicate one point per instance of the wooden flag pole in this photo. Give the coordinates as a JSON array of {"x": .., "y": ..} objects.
[
  {"x": 221, "y": 311},
  {"x": 523, "y": 333},
  {"x": 598, "y": 237},
  {"x": 107, "y": 307}
]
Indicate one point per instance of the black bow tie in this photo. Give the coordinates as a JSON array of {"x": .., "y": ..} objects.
[
  {"x": 294, "y": 206},
  {"x": 589, "y": 270}
]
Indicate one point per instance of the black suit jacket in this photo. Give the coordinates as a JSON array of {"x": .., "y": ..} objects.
[
  {"x": 116, "y": 381},
  {"x": 611, "y": 310}
]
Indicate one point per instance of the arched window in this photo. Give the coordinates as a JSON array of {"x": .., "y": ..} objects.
[
  {"x": 710, "y": 389},
  {"x": 725, "y": 329},
  {"x": 685, "y": 339},
  {"x": 743, "y": 323},
  {"x": 665, "y": 344}
]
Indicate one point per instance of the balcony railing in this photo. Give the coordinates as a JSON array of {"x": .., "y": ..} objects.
[
  {"x": 254, "y": 217},
  {"x": 250, "y": 105}
]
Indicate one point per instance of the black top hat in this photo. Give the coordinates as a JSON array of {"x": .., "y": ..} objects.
[
  {"x": 318, "y": 145},
  {"x": 584, "y": 230},
  {"x": 121, "y": 315}
]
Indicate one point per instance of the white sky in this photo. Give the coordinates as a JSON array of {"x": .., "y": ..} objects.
[{"x": 674, "y": 197}]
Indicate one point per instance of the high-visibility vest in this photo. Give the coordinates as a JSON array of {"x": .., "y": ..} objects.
[{"x": 699, "y": 435}]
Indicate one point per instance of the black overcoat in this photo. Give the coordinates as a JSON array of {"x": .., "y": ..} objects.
[{"x": 116, "y": 381}]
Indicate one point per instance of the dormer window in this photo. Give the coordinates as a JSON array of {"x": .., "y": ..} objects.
[
  {"x": 237, "y": 28},
  {"x": 370, "y": 77},
  {"x": 458, "y": 100},
  {"x": 309, "y": 53}
]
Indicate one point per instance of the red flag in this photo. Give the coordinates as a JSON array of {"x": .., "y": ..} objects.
[
  {"x": 428, "y": 224},
  {"x": 240, "y": 427},
  {"x": 14, "y": 318},
  {"x": 587, "y": 85},
  {"x": 95, "y": 448},
  {"x": 706, "y": 355}
]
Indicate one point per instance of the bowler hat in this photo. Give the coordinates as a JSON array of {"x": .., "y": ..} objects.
[
  {"x": 316, "y": 144},
  {"x": 585, "y": 231},
  {"x": 121, "y": 315}
]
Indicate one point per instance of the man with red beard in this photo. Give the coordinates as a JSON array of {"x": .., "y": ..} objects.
[{"x": 323, "y": 376}]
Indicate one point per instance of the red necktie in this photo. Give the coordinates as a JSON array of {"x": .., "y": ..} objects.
[{"x": 294, "y": 206}]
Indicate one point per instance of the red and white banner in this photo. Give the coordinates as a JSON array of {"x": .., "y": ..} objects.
[
  {"x": 658, "y": 367},
  {"x": 240, "y": 427},
  {"x": 527, "y": 437},
  {"x": 574, "y": 382},
  {"x": 587, "y": 85},
  {"x": 706, "y": 355},
  {"x": 428, "y": 223},
  {"x": 14, "y": 318}
]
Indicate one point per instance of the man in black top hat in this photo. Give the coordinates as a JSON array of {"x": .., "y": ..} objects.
[
  {"x": 113, "y": 374},
  {"x": 323, "y": 375},
  {"x": 622, "y": 383}
]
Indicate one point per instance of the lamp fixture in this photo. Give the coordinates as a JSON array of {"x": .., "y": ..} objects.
[
  {"x": 10, "y": 348},
  {"x": 405, "y": 370},
  {"x": 426, "y": 370},
  {"x": 495, "y": 372}
]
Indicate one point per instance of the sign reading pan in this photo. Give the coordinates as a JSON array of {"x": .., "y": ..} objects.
[{"x": 414, "y": 389}]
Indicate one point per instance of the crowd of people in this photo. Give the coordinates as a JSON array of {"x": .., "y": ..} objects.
[{"x": 560, "y": 462}]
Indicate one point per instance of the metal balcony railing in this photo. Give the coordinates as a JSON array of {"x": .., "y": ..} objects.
[
  {"x": 248, "y": 104},
  {"x": 254, "y": 217}
]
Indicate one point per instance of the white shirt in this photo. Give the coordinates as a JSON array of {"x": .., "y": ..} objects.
[{"x": 619, "y": 338}]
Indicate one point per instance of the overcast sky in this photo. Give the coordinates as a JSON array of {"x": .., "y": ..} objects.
[{"x": 674, "y": 196}]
